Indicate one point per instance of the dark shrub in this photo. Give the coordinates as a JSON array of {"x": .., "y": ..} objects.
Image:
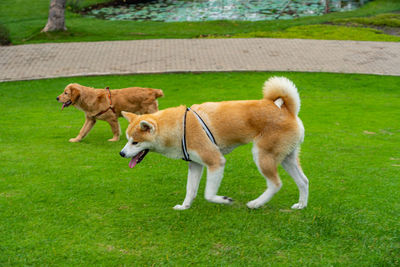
[
  {"x": 4, "y": 35},
  {"x": 74, "y": 5}
]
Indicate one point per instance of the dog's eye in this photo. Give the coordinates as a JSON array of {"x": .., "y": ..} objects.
[
  {"x": 134, "y": 143},
  {"x": 65, "y": 93}
]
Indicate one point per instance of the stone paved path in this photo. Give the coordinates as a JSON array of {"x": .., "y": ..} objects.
[{"x": 26, "y": 62}]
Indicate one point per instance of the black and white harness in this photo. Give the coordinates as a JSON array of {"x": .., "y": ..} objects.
[{"x": 203, "y": 125}]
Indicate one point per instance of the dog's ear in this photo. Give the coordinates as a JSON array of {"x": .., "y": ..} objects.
[
  {"x": 147, "y": 126},
  {"x": 75, "y": 93},
  {"x": 129, "y": 116}
]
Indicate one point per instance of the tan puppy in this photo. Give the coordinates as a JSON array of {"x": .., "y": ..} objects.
[
  {"x": 270, "y": 123},
  {"x": 100, "y": 104}
]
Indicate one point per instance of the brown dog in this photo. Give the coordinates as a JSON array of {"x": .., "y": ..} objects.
[{"x": 101, "y": 104}]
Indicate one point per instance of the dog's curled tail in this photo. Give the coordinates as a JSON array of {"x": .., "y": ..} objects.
[
  {"x": 281, "y": 87},
  {"x": 158, "y": 93}
]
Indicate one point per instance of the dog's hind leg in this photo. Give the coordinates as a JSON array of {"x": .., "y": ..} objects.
[
  {"x": 291, "y": 164},
  {"x": 87, "y": 126},
  {"x": 194, "y": 177},
  {"x": 115, "y": 128},
  {"x": 267, "y": 165},
  {"x": 152, "y": 108}
]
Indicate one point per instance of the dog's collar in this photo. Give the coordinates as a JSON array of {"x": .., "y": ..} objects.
[
  {"x": 110, "y": 107},
  {"x": 186, "y": 156}
]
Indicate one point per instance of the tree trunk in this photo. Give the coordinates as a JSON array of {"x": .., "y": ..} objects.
[
  {"x": 56, "y": 21},
  {"x": 326, "y": 6}
]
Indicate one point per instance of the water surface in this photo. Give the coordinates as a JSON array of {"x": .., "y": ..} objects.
[{"x": 205, "y": 10}]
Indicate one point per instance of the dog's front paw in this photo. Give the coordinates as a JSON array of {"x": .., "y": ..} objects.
[
  {"x": 114, "y": 139},
  {"x": 74, "y": 140},
  {"x": 227, "y": 200},
  {"x": 298, "y": 206},
  {"x": 254, "y": 204},
  {"x": 181, "y": 207}
]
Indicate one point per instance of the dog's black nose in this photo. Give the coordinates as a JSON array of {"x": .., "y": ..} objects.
[
  {"x": 122, "y": 154},
  {"x": 57, "y": 98}
]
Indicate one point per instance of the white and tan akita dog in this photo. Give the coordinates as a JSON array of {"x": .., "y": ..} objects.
[{"x": 203, "y": 133}]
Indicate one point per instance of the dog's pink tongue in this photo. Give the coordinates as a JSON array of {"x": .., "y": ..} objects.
[
  {"x": 133, "y": 161},
  {"x": 63, "y": 106}
]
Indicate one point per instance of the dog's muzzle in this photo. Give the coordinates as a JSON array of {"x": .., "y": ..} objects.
[
  {"x": 135, "y": 159},
  {"x": 66, "y": 104}
]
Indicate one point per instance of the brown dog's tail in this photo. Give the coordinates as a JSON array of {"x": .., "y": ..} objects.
[
  {"x": 283, "y": 88},
  {"x": 158, "y": 93}
]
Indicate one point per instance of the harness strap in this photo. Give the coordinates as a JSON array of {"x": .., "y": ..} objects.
[
  {"x": 204, "y": 126},
  {"x": 186, "y": 156},
  {"x": 110, "y": 107},
  {"x": 184, "y": 148}
]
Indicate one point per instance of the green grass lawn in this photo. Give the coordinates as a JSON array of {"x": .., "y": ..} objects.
[
  {"x": 25, "y": 22},
  {"x": 76, "y": 204}
]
